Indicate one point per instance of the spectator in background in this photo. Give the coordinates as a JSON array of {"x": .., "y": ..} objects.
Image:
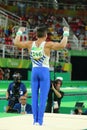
[
  {"x": 7, "y": 74},
  {"x": 58, "y": 68},
  {"x": 23, "y": 107},
  {"x": 15, "y": 90},
  {"x": 1, "y": 74},
  {"x": 55, "y": 96},
  {"x": 68, "y": 46}
]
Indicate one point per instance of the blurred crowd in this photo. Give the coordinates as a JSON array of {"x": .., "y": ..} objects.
[
  {"x": 4, "y": 74},
  {"x": 55, "y": 23}
]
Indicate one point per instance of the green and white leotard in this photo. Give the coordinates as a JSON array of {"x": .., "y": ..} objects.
[{"x": 38, "y": 57}]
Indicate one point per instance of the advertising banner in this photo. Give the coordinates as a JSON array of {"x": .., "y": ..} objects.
[{"x": 15, "y": 63}]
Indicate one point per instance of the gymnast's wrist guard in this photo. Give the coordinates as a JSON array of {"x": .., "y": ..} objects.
[
  {"x": 66, "y": 33},
  {"x": 19, "y": 33}
]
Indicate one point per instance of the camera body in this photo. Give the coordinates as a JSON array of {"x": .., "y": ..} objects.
[
  {"x": 16, "y": 89},
  {"x": 55, "y": 82},
  {"x": 52, "y": 82},
  {"x": 15, "y": 94},
  {"x": 17, "y": 77}
]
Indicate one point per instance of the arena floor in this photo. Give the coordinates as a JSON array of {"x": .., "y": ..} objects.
[{"x": 51, "y": 121}]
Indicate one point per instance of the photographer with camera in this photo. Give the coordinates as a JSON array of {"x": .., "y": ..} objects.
[
  {"x": 15, "y": 90},
  {"x": 54, "y": 97}
]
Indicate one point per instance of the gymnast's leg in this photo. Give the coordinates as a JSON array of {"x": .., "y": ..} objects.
[
  {"x": 44, "y": 89},
  {"x": 35, "y": 92}
]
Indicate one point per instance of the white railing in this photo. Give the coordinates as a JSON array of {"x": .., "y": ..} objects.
[
  {"x": 10, "y": 51},
  {"x": 13, "y": 17},
  {"x": 50, "y": 4},
  {"x": 3, "y": 19},
  {"x": 74, "y": 41}
]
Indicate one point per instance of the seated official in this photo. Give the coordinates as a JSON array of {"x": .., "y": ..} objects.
[{"x": 23, "y": 107}]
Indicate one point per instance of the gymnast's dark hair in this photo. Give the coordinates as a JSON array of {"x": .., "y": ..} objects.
[{"x": 41, "y": 31}]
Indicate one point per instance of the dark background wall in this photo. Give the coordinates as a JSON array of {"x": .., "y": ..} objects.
[
  {"x": 79, "y": 68},
  {"x": 23, "y": 72}
]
